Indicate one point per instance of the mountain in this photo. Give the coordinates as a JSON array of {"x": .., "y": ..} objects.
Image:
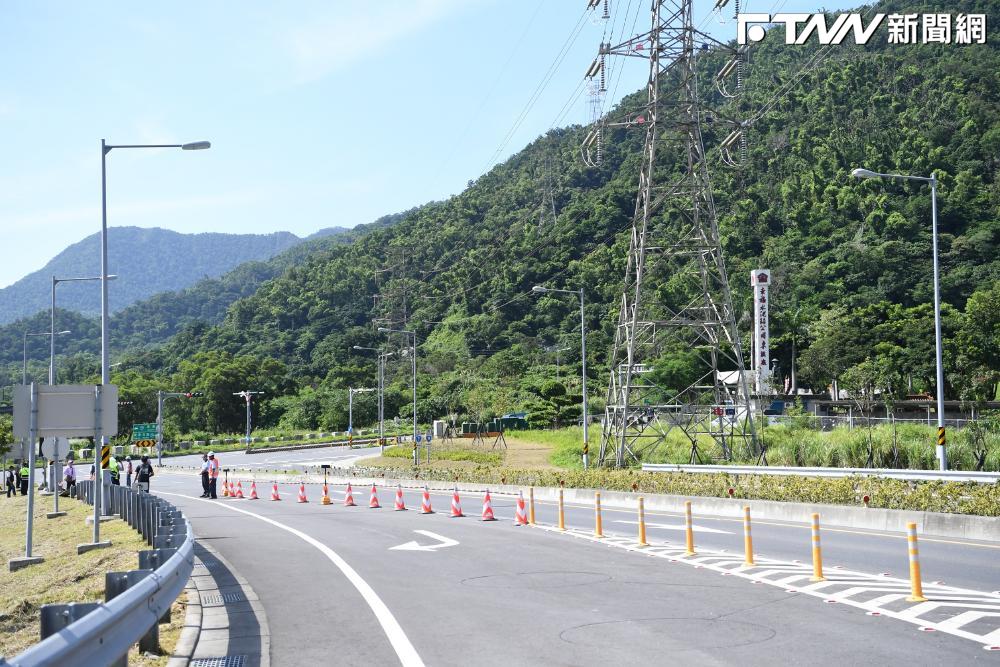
[{"x": 146, "y": 261}]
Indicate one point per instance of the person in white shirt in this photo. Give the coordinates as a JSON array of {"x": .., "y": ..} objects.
[{"x": 204, "y": 476}]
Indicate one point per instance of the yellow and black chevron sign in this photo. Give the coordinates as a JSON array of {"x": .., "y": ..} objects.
[
  {"x": 144, "y": 443},
  {"x": 941, "y": 437},
  {"x": 105, "y": 455}
]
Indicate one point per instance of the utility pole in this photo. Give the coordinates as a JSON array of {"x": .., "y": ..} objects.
[
  {"x": 675, "y": 237},
  {"x": 248, "y": 395},
  {"x": 351, "y": 391}
]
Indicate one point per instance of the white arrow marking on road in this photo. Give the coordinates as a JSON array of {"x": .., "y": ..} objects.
[
  {"x": 669, "y": 526},
  {"x": 414, "y": 546}
]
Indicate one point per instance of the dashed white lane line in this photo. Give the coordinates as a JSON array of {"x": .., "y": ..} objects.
[{"x": 405, "y": 651}]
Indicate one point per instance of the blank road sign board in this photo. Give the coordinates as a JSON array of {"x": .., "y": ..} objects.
[{"x": 66, "y": 410}]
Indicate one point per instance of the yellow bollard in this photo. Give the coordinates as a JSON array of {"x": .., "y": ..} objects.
[
  {"x": 326, "y": 495},
  {"x": 642, "y": 523},
  {"x": 817, "y": 554},
  {"x": 562, "y": 512},
  {"x": 916, "y": 586},
  {"x": 747, "y": 539},
  {"x": 531, "y": 505},
  {"x": 598, "y": 526},
  {"x": 688, "y": 530}
]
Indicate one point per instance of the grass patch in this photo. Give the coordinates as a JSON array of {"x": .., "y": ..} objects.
[
  {"x": 64, "y": 576},
  {"x": 439, "y": 454}
]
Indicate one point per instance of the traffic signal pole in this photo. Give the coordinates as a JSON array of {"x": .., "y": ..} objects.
[{"x": 161, "y": 397}]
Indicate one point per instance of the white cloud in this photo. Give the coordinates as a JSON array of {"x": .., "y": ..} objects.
[{"x": 334, "y": 42}]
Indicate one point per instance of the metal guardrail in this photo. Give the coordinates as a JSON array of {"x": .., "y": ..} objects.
[
  {"x": 91, "y": 634},
  {"x": 888, "y": 473}
]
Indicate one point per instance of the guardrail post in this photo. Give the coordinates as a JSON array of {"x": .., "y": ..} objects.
[
  {"x": 54, "y": 617},
  {"x": 817, "y": 553},
  {"x": 116, "y": 583}
]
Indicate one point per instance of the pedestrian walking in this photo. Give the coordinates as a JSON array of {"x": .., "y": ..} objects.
[
  {"x": 213, "y": 475},
  {"x": 128, "y": 471},
  {"x": 204, "y": 476},
  {"x": 142, "y": 475},
  {"x": 24, "y": 479},
  {"x": 10, "y": 481},
  {"x": 69, "y": 476}
]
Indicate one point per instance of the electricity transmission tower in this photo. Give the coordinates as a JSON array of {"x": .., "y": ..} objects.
[{"x": 676, "y": 303}]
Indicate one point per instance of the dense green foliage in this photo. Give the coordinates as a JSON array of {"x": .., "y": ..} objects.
[{"x": 850, "y": 259}]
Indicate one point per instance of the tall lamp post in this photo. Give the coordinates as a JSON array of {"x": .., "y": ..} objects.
[
  {"x": 538, "y": 289},
  {"x": 932, "y": 181},
  {"x": 105, "y": 366},
  {"x": 413, "y": 360},
  {"x": 52, "y": 319},
  {"x": 351, "y": 391},
  {"x": 382, "y": 357}
]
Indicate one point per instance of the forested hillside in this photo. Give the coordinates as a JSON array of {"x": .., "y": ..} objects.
[{"x": 851, "y": 259}]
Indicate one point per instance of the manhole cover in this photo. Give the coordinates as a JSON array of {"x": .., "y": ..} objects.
[
  {"x": 537, "y": 579},
  {"x": 669, "y": 634},
  {"x": 211, "y": 599},
  {"x": 225, "y": 661}
]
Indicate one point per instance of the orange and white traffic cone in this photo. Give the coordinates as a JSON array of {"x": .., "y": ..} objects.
[
  {"x": 253, "y": 490},
  {"x": 400, "y": 506},
  {"x": 302, "y": 493},
  {"x": 488, "y": 508},
  {"x": 520, "y": 515},
  {"x": 425, "y": 502},
  {"x": 349, "y": 497},
  {"x": 239, "y": 489},
  {"x": 456, "y": 504},
  {"x": 274, "y": 492},
  {"x": 373, "y": 501},
  {"x": 326, "y": 495}
]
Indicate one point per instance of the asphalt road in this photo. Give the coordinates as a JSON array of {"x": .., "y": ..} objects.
[
  {"x": 335, "y": 591},
  {"x": 341, "y": 456}
]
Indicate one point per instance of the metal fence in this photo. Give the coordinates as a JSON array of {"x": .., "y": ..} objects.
[
  {"x": 795, "y": 471},
  {"x": 93, "y": 634},
  {"x": 857, "y": 420}
]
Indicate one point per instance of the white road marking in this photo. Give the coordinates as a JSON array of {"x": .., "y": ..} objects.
[
  {"x": 678, "y": 526},
  {"x": 393, "y": 631},
  {"x": 443, "y": 542}
]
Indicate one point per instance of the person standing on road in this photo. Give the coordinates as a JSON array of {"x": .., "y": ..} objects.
[
  {"x": 115, "y": 469},
  {"x": 24, "y": 479},
  {"x": 213, "y": 474},
  {"x": 9, "y": 481},
  {"x": 142, "y": 475},
  {"x": 128, "y": 471},
  {"x": 204, "y": 476}
]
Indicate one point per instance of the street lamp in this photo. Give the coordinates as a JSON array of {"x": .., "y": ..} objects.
[
  {"x": 247, "y": 395},
  {"x": 351, "y": 391},
  {"x": 52, "y": 319},
  {"x": 24, "y": 363},
  {"x": 413, "y": 360},
  {"x": 932, "y": 181},
  {"x": 105, "y": 368},
  {"x": 538, "y": 289},
  {"x": 382, "y": 357}
]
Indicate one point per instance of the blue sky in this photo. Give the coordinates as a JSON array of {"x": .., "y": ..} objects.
[{"x": 320, "y": 113}]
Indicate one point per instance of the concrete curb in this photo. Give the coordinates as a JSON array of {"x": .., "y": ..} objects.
[{"x": 186, "y": 643}]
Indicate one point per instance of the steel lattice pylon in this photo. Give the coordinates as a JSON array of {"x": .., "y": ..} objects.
[{"x": 676, "y": 297}]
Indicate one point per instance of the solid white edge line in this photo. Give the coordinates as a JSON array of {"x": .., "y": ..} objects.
[{"x": 393, "y": 631}]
